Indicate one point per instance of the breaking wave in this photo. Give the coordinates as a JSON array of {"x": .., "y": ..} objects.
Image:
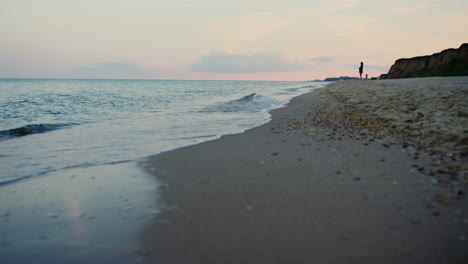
[
  {"x": 31, "y": 129},
  {"x": 251, "y": 103}
]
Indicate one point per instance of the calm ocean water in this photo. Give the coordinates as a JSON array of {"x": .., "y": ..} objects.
[{"x": 50, "y": 125}]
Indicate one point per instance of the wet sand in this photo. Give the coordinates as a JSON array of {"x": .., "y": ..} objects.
[
  {"x": 80, "y": 215},
  {"x": 307, "y": 189}
]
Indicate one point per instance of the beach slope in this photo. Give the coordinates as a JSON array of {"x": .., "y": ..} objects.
[{"x": 331, "y": 179}]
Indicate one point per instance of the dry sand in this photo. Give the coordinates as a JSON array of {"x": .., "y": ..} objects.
[
  {"x": 338, "y": 176},
  {"x": 429, "y": 115}
]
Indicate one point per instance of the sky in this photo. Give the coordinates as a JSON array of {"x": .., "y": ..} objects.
[{"x": 291, "y": 40}]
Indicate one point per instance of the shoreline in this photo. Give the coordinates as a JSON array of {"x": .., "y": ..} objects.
[
  {"x": 80, "y": 214},
  {"x": 130, "y": 130},
  {"x": 294, "y": 191}
]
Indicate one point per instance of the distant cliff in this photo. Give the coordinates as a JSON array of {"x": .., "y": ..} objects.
[{"x": 450, "y": 62}]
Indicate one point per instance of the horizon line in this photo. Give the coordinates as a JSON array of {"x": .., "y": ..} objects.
[{"x": 142, "y": 79}]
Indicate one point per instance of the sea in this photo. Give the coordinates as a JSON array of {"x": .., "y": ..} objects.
[{"x": 49, "y": 125}]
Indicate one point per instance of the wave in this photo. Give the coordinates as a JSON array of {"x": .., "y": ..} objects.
[
  {"x": 251, "y": 103},
  {"x": 31, "y": 129},
  {"x": 313, "y": 86},
  {"x": 293, "y": 89},
  {"x": 5, "y": 181}
]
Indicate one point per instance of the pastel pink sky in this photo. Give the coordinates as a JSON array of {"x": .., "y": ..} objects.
[{"x": 221, "y": 39}]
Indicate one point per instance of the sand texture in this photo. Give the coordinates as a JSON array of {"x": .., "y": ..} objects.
[
  {"x": 426, "y": 116},
  {"x": 337, "y": 176}
]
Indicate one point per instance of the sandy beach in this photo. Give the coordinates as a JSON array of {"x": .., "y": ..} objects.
[{"x": 357, "y": 172}]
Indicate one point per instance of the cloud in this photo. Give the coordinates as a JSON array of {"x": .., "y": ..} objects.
[
  {"x": 223, "y": 62},
  {"x": 323, "y": 59},
  {"x": 119, "y": 69}
]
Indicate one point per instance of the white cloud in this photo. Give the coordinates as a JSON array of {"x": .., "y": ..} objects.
[{"x": 223, "y": 62}]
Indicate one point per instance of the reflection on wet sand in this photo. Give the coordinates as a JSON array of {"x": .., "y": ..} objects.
[{"x": 75, "y": 215}]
